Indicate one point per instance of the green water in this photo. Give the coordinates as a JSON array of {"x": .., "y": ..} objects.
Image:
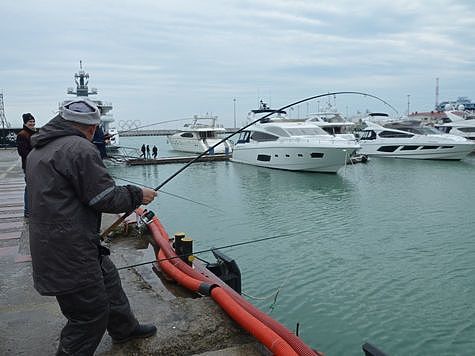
[{"x": 381, "y": 252}]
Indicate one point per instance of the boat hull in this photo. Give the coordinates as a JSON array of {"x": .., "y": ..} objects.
[
  {"x": 294, "y": 158},
  {"x": 448, "y": 151}
]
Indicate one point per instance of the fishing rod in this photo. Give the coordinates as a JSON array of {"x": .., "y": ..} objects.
[
  {"x": 123, "y": 217},
  {"x": 282, "y": 236},
  {"x": 168, "y": 193}
]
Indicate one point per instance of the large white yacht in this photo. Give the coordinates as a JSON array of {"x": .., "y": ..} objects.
[
  {"x": 459, "y": 123},
  {"x": 282, "y": 143},
  {"x": 334, "y": 123},
  {"x": 202, "y": 133},
  {"x": 403, "y": 140},
  {"x": 81, "y": 79}
]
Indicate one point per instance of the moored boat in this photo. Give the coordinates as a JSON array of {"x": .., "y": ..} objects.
[
  {"x": 403, "y": 140},
  {"x": 282, "y": 143},
  {"x": 197, "y": 137}
]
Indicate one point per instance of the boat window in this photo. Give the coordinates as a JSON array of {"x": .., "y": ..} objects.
[
  {"x": 447, "y": 146},
  {"x": 306, "y": 131},
  {"x": 300, "y": 155},
  {"x": 368, "y": 135},
  {"x": 337, "y": 130},
  {"x": 394, "y": 134},
  {"x": 414, "y": 130},
  {"x": 420, "y": 130},
  {"x": 409, "y": 148},
  {"x": 263, "y": 136},
  {"x": 426, "y": 130},
  {"x": 186, "y": 134},
  {"x": 316, "y": 155},
  {"x": 287, "y": 155},
  {"x": 277, "y": 131},
  {"x": 387, "y": 148},
  {"x": 265, "y": 158},
  {"x": 444, "y": 129},
  {"x": 244, "y": 137},
  {"x": 466, "y": 129},
  {"x": 429, "y": 147}
]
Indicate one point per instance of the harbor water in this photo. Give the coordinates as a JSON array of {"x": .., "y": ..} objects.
[{"x": 382, "y": 252}]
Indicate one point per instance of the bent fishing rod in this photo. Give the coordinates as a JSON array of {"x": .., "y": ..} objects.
[{"x": 124, "y": 216}]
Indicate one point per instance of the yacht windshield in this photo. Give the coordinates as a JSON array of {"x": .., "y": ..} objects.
[
  {"x": 430, "y": 130},
  {"x": 306, "y": 131}
]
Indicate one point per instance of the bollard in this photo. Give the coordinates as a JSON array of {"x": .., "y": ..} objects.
[
  {"x": 186, "y": 249},
  {"x": 177, "y": 243}
]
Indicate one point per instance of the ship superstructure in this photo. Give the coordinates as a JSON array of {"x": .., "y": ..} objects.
[{"x": 81, "y": 79}]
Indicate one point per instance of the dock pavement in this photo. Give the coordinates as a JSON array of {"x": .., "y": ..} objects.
[{"x": 31, "y": 323}]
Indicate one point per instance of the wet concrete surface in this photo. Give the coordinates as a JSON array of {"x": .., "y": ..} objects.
[{"x": 31, "y": 324}]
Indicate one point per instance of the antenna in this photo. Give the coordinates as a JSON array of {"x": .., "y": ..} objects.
[
  {"x": 436, "y": 93},
  {"x": 3, "y": 121}
]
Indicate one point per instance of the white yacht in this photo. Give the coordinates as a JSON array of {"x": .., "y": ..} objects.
[
  {"x": 282, "y": 143},
  {"x": 402, "y": 140},
  {"x": 333, "y": 123},
  {"x": 200, "y": 135},
  {"x": 459, "y": 123},
  {"x": 111, "y": 134}
]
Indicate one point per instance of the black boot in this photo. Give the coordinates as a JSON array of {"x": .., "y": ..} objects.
[{"x": 140, "y": 332}]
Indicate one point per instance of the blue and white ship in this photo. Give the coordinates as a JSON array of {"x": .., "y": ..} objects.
[{"x": 107, "y": 120}]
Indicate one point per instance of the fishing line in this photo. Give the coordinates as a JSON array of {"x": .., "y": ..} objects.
[
  {"x": 148, "y": 125},
  {"x": 168, "y": 193},
  {"x": 282, "y": 236},
  {"x": 123, "y": 217},
  {"x": 274, "y": 294}
]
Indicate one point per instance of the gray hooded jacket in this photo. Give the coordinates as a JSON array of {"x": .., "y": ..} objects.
[{"x": 68, "y": 188}]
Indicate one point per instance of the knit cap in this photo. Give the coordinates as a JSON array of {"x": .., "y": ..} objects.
[
  {"x": 27, "y": 117},
  {"x": 82, "y": 111}
]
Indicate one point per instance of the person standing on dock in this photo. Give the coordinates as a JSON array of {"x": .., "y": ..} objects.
[
  {"x": 99, "y": 140},
  {"x": 68, "y": 189},
  {"x": 143, "y": 151},
  {"x": 154, "y": 152},
  {"x": 148, "y": 152},
  {"x": 24, "y": 147}
]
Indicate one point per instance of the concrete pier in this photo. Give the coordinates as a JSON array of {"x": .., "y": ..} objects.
[{"x": 31, "y": 324}]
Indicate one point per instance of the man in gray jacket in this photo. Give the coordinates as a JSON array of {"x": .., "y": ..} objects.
[{"x": 68, "y": 189}]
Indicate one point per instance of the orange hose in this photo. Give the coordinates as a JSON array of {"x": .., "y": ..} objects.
[
  {"x": 259, "y": 330},
  {"x": 249, "y": 323}
]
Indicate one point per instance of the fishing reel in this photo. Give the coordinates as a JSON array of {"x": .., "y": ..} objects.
[{"x": 143, "y": 220}]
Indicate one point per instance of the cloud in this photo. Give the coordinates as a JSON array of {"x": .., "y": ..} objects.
[{"x": 179, "y": 58}]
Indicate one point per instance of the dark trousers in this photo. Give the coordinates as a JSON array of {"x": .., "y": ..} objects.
[
  {"x": 92, "y": 311},
  {"x": 25, "y": 200}
]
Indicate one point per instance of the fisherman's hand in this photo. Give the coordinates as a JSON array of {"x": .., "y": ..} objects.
[{"x": 148, "y": 195}]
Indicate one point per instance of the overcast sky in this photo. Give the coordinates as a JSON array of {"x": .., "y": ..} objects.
[{"x": 163, "y": 60}]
